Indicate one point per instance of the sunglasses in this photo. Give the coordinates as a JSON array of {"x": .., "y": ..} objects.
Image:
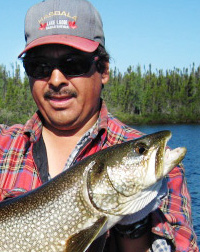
[{"x": 70, "y": 65}]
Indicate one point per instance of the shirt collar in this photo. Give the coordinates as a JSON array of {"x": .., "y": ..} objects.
[
  {"x": 33, "y": 127},
  {"x": 102, "y": 122}
]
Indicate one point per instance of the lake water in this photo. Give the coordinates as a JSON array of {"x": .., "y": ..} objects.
[{"x": 189, "y": 137}]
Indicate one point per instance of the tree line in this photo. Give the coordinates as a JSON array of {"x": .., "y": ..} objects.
[
  {"x": 136, "y": 96},
  {"x": 155, "y": 97}
]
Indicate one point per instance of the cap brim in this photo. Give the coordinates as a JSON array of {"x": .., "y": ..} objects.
[{"x": 79, "y": 43}]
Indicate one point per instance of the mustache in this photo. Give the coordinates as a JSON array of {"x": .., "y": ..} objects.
[{"x": 51, "y": 93}]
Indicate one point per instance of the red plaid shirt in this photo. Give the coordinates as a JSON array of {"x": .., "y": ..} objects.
[{"x": 171, "y": 221}]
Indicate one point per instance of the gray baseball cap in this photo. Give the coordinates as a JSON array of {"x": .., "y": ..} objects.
[{"x": 74, "y": 23}]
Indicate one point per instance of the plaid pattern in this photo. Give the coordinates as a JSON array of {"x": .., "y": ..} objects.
[
  {"x": 172, "y": 221},
  {"x": 160, "y": 245},
  {"x": 17, "y": 167}
]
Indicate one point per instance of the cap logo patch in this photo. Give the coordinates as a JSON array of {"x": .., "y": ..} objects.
[{"x": 57, "y": 24}]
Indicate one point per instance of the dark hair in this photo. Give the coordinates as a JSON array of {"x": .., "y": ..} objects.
[{"x": 104, "y": 58}]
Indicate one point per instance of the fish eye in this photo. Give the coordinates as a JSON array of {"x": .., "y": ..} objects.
[{"x": 141, "y": 149}]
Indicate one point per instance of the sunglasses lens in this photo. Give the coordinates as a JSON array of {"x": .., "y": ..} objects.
[
  {"x": 37, "y": 68},
  {"x": 75, "y": 65}
]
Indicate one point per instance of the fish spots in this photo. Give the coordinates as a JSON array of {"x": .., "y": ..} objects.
[
  {"x": 63, "y": 243},
  {"x": 53, "y": 248},
  {"x": 65, "y": 227},
  {"x": 78, "y": 198},
  {"x": 44, "y": 228},
  {"x": 127, "y": 179},
  {"x": 80, "y": 225}
]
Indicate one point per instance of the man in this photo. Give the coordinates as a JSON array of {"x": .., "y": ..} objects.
[{"x": 66, "y": 62}]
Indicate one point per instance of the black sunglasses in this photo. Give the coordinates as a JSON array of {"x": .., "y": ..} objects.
[{"x": 70, "y": 65}]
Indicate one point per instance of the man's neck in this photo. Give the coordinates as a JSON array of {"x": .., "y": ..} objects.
[{"x": 60, "y": 144}]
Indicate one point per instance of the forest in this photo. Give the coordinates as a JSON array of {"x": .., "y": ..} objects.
[{"x": 138, "y": 96}]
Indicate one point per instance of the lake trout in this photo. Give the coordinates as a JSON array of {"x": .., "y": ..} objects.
[{"x": 79, "y": 205}]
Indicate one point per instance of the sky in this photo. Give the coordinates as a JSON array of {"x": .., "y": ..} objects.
[{"x": 163, "y": 33}]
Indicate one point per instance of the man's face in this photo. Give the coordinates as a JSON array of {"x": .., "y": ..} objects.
[{"x": 67, "y": 103}]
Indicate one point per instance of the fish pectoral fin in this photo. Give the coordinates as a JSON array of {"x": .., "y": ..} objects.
[
  {"x": 98, "y": 244},
  {"x": 81, "y": 241}
]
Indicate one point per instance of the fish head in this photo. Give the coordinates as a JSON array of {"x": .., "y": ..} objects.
[
  {"x": 131, "y": 170},
  {"x": 142, "y": 162}
]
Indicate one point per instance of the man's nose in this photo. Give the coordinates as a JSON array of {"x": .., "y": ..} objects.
[{"x": 57, "y": 78}]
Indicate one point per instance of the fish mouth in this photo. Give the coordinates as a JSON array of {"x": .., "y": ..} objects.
[
  {"x": 173, "y": 158},
  {"x": 160, "y": 153},
  {"x": 166, "y": 159}
]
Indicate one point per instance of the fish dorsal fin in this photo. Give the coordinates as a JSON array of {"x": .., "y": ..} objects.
[{"x": 81, "y": 241}]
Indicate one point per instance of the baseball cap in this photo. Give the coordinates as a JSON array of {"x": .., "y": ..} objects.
[{"x": 74, "y": 23}]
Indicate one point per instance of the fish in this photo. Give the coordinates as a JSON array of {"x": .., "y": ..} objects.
[{"x": 79, "y": 205}]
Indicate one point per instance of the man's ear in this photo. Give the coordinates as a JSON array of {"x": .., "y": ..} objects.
[{"x": 105, "y": 74}]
